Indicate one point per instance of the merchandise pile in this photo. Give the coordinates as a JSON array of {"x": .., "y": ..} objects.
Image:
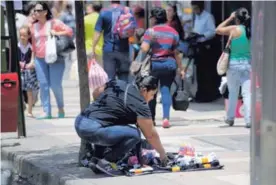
[{"x": 187, "y": 159}]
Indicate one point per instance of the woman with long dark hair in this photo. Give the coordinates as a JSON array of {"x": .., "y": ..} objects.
[
  {"x": 239, "y": 70},
  {"x": 174, "y": 21},
  {"x": 49, "y": 75}
]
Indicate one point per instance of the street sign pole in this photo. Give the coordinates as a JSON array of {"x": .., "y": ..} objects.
[
  {"x": 13, "y": 36},
  {"x": 263, "y": 132}
]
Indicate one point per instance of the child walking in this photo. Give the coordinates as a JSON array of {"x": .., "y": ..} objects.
[{"x": 28, "y": 74}]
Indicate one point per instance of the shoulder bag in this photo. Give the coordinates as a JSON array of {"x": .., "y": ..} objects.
[{"x": 223, "y": 62}]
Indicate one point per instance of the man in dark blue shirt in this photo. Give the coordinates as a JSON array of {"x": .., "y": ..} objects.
[{"x": 115, "y": 50}]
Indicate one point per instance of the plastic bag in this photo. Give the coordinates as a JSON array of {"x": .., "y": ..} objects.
[
  {"x": 97, "y": 76},
  {"x": 51, "y": 50}
]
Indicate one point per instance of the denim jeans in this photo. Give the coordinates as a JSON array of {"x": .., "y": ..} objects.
[
  {"x": 50, "y": 76},
  {"x": 116, "y": 64},
  {"x": 165, "y": 72},
  {"x": 238, "y": 75},
  {"x": 119, "y": 138}
]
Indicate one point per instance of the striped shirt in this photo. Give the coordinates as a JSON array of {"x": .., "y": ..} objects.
[{"x": 163, "y": 41}]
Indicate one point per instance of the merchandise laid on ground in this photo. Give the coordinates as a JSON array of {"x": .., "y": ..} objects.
[{"x": 185, "y": 160}]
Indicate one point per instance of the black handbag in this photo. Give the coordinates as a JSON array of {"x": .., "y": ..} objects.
[
  {"x": 65, "y": 44},
  {"x": 180, "y": 98}
]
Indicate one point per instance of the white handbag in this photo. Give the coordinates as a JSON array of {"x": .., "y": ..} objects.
[
  {"x": 50, "y": 47},
  {"x": 223, "y": 61}
]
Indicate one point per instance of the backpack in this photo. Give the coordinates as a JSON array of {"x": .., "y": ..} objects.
[{"x": 124, "y": 25}]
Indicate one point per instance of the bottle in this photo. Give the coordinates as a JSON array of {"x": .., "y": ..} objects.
[
  {"x": 207, "y": 161},
  {"x": 175, "y": 169},
  {"x": 183, "y": 161},
  {"x": 141, "y": 170}
]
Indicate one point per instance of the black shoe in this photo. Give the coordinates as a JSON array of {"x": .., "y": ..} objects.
[
  {"x": 86, "y": 152},
  {"x": 108, "y": 168},
  {"x": 248, "y": 125},
  {"x": 229, "y": 122},
  {"x": 93, "y": 166}
]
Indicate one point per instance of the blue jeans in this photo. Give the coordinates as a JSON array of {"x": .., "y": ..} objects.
[
  {"x": 238, "y": 75},
  {"x": 116, "y": 64},
  {"x": 165, "y": 72},
  {"x": 119, "y": 138},
  {"x": 50, "y": 76}
]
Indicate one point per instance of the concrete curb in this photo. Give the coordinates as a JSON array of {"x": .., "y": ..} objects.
[
  {"x": 31, "y": 167},
  {"x": 29, "y": 171}
]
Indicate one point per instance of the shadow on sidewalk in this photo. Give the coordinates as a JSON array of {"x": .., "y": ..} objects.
[{"x": 217, "y": 105}]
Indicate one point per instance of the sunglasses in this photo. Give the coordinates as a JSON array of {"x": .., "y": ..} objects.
[{"x": 38, "y": 10}]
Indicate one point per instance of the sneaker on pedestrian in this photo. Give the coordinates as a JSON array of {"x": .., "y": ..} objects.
[
  {"x": 248, "y": 125},
  {"x": 108, "y": 168},
  {"x": 166, "y": 123},
  {"x": 229, "y": 122}
]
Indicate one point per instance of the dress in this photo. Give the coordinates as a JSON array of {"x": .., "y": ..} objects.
[{"x": 28, "y": 76}]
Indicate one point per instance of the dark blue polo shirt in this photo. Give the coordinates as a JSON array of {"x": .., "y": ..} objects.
[
  {"x": 105, "y": 23},
  {"x": 110, "y": 108}
]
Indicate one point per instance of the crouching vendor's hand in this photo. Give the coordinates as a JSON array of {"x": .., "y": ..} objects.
[
  {"x": 164, "y": 161},
  {"x": 151, "y": 135}
]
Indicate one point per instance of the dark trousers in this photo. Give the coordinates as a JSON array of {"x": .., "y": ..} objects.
[
  {"x": 165, "y": 72},
  {"x": 116, "y": 64},
  {"x": 207, "y": 78},
  {"x": 119, "y": 139}
]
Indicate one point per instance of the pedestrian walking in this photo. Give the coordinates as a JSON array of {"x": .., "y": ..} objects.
[
  {"x": 239, "y": 70},
  {"x": 116, "y": 58},
  {"x": 162, "y": 40},
  {"x": 49, "y": 75},
  {"x": 28, "y": 73}
]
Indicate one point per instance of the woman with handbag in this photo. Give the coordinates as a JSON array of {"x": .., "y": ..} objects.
[
  {"x": 162, "y": 40},
  {"x": 239, "y": 68},
  {"x": 49, "y": 74}
]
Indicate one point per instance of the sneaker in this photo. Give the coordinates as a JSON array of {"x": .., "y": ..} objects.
[
  {"x": 229, "y": 122},
  {"x": 93, "y": 166},
  {"x": 86, "y": 152},
  {"x": 166, "y": 124},
  {"x": 247, "y": 125},
  {"x": 108, "y": 168}
]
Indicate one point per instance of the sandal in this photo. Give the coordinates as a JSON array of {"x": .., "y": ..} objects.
[
  {"x": 30, "y": 115},
  {"x": 44, "y": 117}
]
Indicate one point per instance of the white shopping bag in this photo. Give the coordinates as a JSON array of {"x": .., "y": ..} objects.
[{"x": 51, "y": 50}]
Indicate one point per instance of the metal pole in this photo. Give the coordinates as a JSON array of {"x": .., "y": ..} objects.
[
  {"x": 82, "y": 67},
  {"x": 263, "y": 132},
  {"x": 14, "y": 59}
]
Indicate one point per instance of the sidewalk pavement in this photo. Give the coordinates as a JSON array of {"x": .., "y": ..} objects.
[{"x": 48, "y": 156}]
